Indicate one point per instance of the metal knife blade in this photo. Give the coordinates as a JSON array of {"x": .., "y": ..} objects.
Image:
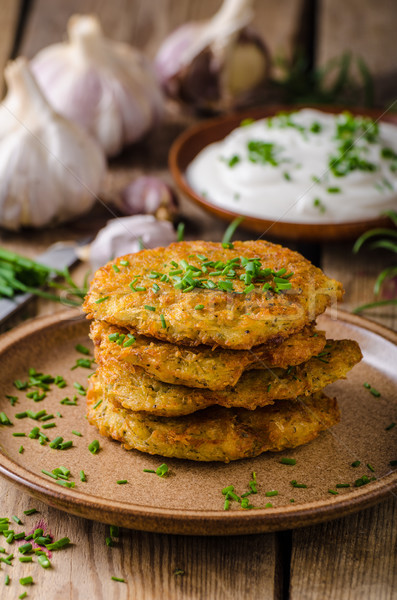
[{"x": 59, "y": 256}]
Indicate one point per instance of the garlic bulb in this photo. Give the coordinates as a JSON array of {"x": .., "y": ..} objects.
[
  {"x": 150, "y": 195},
  {"x": 50, "y": 169},
  {"x": 127, "y": 235},
  {"x": 215, "y": 64},
  {"x": 107, "y": 87}
]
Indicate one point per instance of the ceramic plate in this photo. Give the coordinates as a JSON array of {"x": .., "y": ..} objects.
[
  {"x": 194, "y": 139},
  {"x": 189, "y": 500}
]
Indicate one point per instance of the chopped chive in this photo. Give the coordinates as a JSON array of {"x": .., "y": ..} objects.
[
  {"x": 46, "y": 418},
  {"x": 102, "y": 299},
  {"x": 25, "y": 548},
  {"x": 77, "y": 433},
  {"x": 66, "y": 445},
  {"x": 163, "y": 323},
  {"x": 227, "y": 245},
  {"x": 271, "y": 493},
  {"x": 114, "y": 531},
  {"x": 129, "y": 341},
  {"x": 226, "y": 504},
  {"x": 370, "y": 467},
  {"x": 269, "y": 505},
  {"x": 20, "y": 434},
  {"x": 147, "y": 307},
  {"x": 334, "y": 492},
  {"x": 56, "y": 442},
  {"x": 109, "y": 542},
  {"x": 4, "y": 420},
  {"x": 49, "y": 425},
  {"x": 97, "y": 403},
  {"x": 43, "y": 561},
  {"x": 22, "y": 596},
  {"x": 48, "y": 473},
  {"x": 390, "y": 426},
  {"x": 59, "y": 544},
  {"x": 17, "y": 520},
  {"x": 149, "y": 471},
  {"x": 124, "y": 263},
  {"x": 7, "y": 580},
  {"x": 121, "y": 481},
  {"x": 13, "y": 399},
  {"x": 115, "y": 269},
  {"x": 288, "y": 461},
  {"x": 81, "y": 390},
  {"x": 21, "y": 415},
  {"x": 155, "y": 288},
  {"x": 180, "y": 232},
  {"x": 83, "y": 476},
  {"x": 94, "y": 447},
  {"x": 295, "y": 484},
  {"x": 355, "y": 464},
  {"x": 21, "y": 449},
  {"x": 342, "y": 485},
  {"x": 162, "y": 470},
  {"x": 199, "y": 307},
  {"x": 19, "y": 536},
  {"x": 31, "y": 511},
  {"x": 82, "y": 349},
  {"x": 119, "y": 579},
  {"x": 24, "y": 559}
]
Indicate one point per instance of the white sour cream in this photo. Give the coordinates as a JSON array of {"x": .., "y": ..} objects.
[{"x": 279, "y": 168}]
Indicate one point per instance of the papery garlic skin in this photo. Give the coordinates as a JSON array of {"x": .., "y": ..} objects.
[
  {"x": 127, "y": 235},
  {"x": 107, "y": 87},
  {"x": 150, "y": 195},
  {"x": 50, "y": 169},
  {"x": 216, "y": 64}
]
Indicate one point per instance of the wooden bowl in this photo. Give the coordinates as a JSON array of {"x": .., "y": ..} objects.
[{"x": 186, "y": 147}]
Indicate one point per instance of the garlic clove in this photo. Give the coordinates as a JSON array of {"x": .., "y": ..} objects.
[
  {"x": 107, "y": 87},
  {"x": 127, "y": 235},
  {"x": 50, "y": 169},
  {"x": 216, "y": 64},
  {"x": 150, "y": 195}
]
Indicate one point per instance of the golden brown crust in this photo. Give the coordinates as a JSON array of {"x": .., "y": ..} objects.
[
  {"x": 138, "y": 391},
  {"x": 229, "y": 319},
  {"x": 214, "y": 434},
  {"x": 202, "y": 366}
]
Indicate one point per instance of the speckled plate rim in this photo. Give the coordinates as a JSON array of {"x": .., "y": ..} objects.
[
  {"x": 182, "y": 521},
  {"x": 198, "y": 136}
]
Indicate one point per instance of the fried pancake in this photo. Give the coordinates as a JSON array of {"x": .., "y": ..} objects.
[
  {"x": 200, "y": 366},
  {"x": 239, "y": 319},
  {"x": 214, "y": 434},
  {"x": 138, "y": 391}
]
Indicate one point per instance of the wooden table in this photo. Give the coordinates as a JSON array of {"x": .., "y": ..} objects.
[{"x": 350, "y": 558}]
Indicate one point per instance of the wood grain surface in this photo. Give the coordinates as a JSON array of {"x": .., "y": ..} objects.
[{"x": 352, "y": 558}]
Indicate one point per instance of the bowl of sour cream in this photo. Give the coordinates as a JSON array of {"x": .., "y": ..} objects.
[{"x": 307, "y": 173}]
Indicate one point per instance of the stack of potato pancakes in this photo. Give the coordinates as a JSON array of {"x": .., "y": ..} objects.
[{"x": 209, "y": 351}]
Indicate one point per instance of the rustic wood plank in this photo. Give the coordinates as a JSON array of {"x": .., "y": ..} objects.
[
  {"x": 9, "y": 15},
  {"x": 216, "y": 568},
  {"x": 347, "y": 559},
  {"x": 358, "y": 273}
]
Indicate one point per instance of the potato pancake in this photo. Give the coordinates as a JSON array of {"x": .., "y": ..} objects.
[
  {"x": 200, "y": 366},
  {"x": 199, "y": 292},
  {"x": 214, "y": 434},
  {"x": 138, "y": 391}
]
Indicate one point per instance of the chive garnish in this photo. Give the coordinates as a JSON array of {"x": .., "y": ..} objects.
[
  {"x": 271, "y": 493},
  {"x": 355, "y": 464},
  {"x": 151, "y": 308},
  {"x": 43, "y": 561},
  {"x": 98, "y": 403},
  {"x": 17, "y": 520},
  {"x": 163, "y": 323},
  {"x": 94, "y": 447},
  {"x": 22, "y": 596},
  {"x": 124, "y": 263},
  {"x": 83, "y": 476},
  {"x": 19, "y": 536},
  {"x": 21, "y": 415},
  {"x": 199, "y": 307},
  {"x": 77, "y": 433},
  {"x": 390, "y": 426},
  {"x": 180, "y": 232},
  {"x": 21, "y": 449},
  {"x": 66, "y": 445},
  {"x": 59, "y": 544},
  {"x": 149, "y": 471},
  {"x": 162, "y": 470},
  {"x": 370, "y": 467},
  {"x": 269, "y": 505},
  {"x": 25, "y": 548},
  {"x": 288, "y": 461},
  {"x": 48, "y": 473},
  {"x": 82, "y": 349},
  {"x": 342, "y": 485},
  {"x": 102, "y": 299},
  {"x": 13, "y": 399},
  {"x": 119, "y": 579},
  {"x": 79, "y": 388},
  {"x": 121, "y": 481},
  {"x": 114, "y": 531},
  {"x": 295, "y": 484},
  {"x": 20, "y": 434},
  {"x": 56, "y": 442},
  {"x": 26, "y": 580},
  {"x": 372, "y": 390},
  {"x": 31, "y": 511},
  {"x": 333, "y": 492},
  {"x": 227, "y": 236},
  {"x": 49, "y": 425},
  {"x": 24, "y": 559},
  {"x": 7, "y": 580},
  {"x": 4, "y": 420}
]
